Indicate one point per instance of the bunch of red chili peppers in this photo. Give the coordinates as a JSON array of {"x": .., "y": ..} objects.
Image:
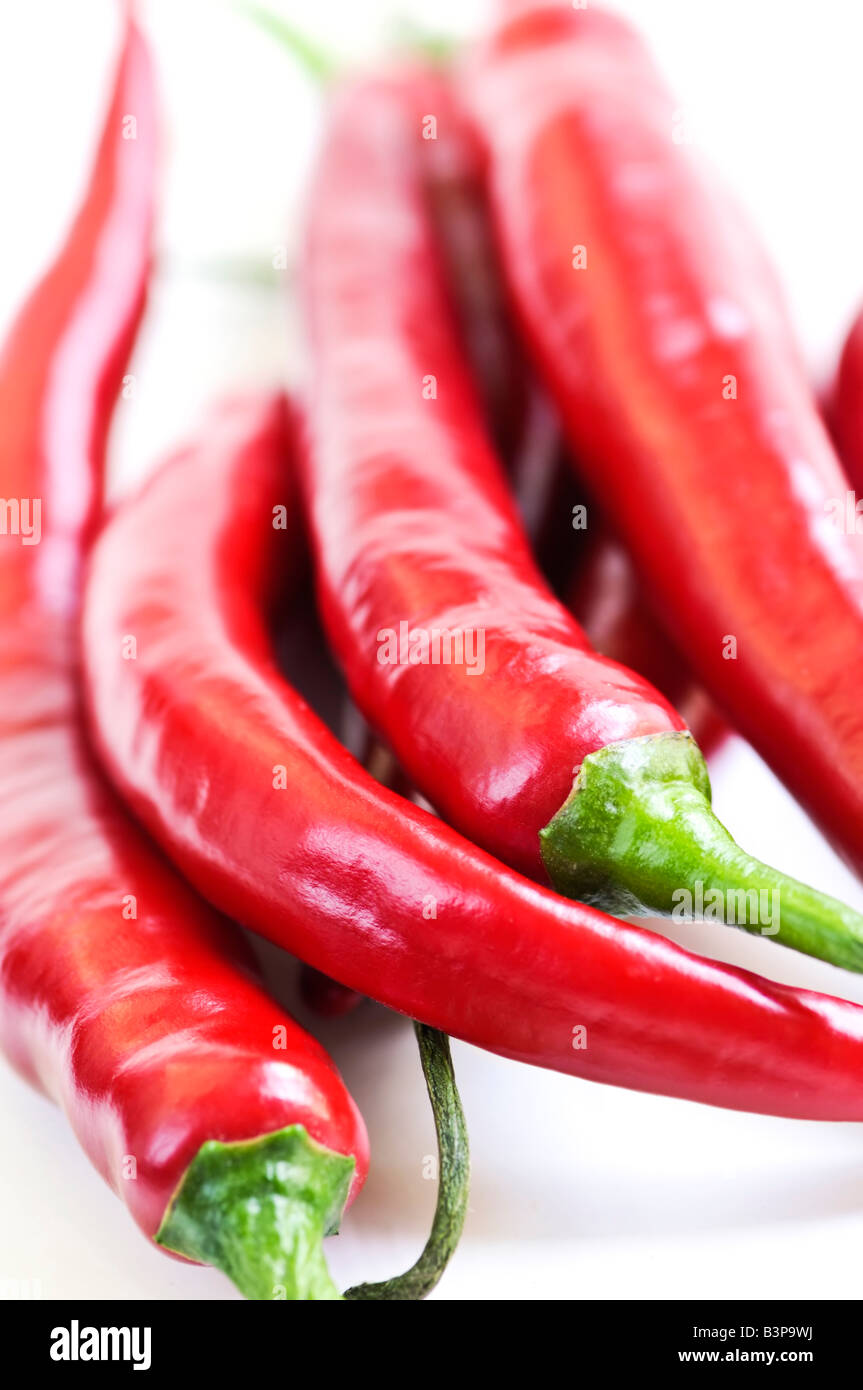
[{"x": 510, "y": 269}]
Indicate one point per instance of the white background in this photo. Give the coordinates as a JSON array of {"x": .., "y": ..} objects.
[{"x": 578, "y": 1190}]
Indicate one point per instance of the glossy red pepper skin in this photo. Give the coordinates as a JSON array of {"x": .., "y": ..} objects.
[
  {"x": 605, "y": 598},
  {"x": 122, "y": 995},
  {"x": 845, "y": 414},
  {"x": 277, "y": 824},
  {"x": 411, "y": 518},
  {"x": 723, "y": 501}
]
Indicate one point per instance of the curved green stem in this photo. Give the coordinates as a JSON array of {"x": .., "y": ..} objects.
[
  {"x": 453, "y": 1180},
  {"x": 259, "y": 1210},
  {"x": 408, "y": 36},
  {"x": 317, "y": 63},
  {"x": 637, "y": 835}
]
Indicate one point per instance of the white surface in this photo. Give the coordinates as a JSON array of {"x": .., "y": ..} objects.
[{"x": 579, "y": 1190}]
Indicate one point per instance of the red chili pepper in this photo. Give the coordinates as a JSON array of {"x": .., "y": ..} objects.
[
  {"x": 452, "y": 645},
  {"x": 647, "y": 307},
  {"x": 223, "y": 1126},
  {"x": 271, "y": 818},
  {"x": 845, "y": 410},
  {"x": 452, "y": 181},
  {"x": 603, "y": 593}
]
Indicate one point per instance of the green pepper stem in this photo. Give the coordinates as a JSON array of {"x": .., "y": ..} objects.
[
  {"x": 453, "y": 1181},
  {"x": 637, "y": 835},
  {"x": 435, "y": 47},
  {"x": 315, "y": 61},
  {"x": 259, "y": 1210}
]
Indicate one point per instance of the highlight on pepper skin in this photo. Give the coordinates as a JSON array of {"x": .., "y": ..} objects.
[{"x": 430, "y": 651}]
